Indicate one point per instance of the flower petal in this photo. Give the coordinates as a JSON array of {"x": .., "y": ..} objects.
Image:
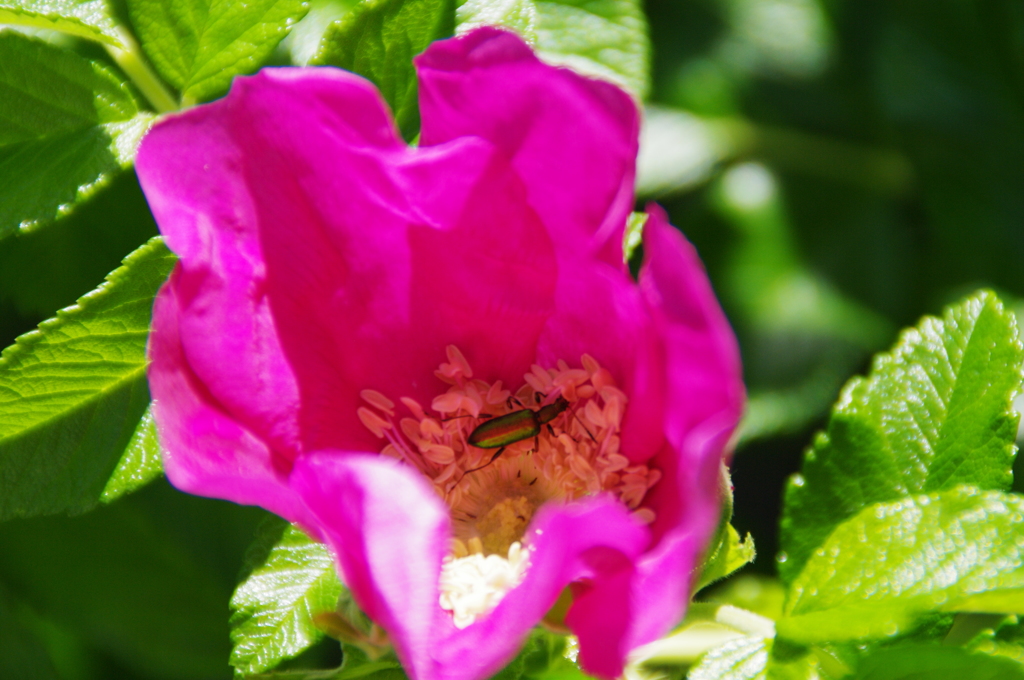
[
  {"x": 194, "y": 174},
  {"x": 705, "y": 376},
  {"x": 205, "y": 450},
  {"x": 320, "y": 257},
  {"x": 381, "y": 266},
  {"x": 599, "y": 311},
  {"x": 705, "y": 401},
  {"x": 573, "y": 140},
  {"x": 593, "y": 541},
  {"x": 384, "y": 264},
  {"x": 389, "y": 533}
]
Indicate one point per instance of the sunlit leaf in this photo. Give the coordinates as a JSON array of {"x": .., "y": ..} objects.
[
  {"x": 84, "y": 18},
  {"x": 200, "y": 45},
  {"x": 379, "y": 39},
  {"x": 274, "y": 607},
  {"x": 932, "y": 662},
  {"x": 934, "y": 413},
  {"x": 139, "y": 465},
  {"x": 73, "y": 392},
  {"x": 956, "y": 550},
  {"x": 741, "y": 659},
  {"x": 67, "y": 125},
  {"x": 732, "y": 554},
  {"x": 515, "y": 15},
  {"x": 600, "y": 38}
]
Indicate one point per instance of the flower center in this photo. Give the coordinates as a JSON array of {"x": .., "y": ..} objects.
[{"x": 555, "y": 439}]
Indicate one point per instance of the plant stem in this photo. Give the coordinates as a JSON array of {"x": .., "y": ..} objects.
[{"x": 134, "y": 64}]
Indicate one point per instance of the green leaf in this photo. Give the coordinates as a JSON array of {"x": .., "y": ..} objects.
[
  {"x": 934, "y": 413},
  {"x": 1006, "y": 639},
  {"x": 303, "y": 43},
  {"x": 274, "y": 607},
  {"x": 379, "y": 40},
  {"x": 741, "y": 659},
  {"x": 801, "y": 667},
  {"x": 601, "y": 38},
  {"x": 707, "y": 626},
  {"x": 926, "y": 662},
  {"x": 753, "y": 658},
  {"x": 763, "y": 595},
  {"x": 732, "y": 554},
  {"x": 633, "y": 237},
  {"x": 519, "y": 16},
  {"x": 67, "y": 125},
  {"x": 546, "y": 656},
  {"x": 48, "y": 91},
  {"x": 956, "y": 550},
  {"x": 88, "y": 19},
  {"x": 200, "y": 45},
  {"x": 139, "y": 465},
  {"x": 604, "y": 39},
  {"x": 23, "y": 653},
  {"x": 143, "y": 582},
  {"x": 73, "y": 392}
]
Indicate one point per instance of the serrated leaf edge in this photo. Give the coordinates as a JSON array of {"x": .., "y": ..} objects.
[
  {"x": 26, "y": 343},
  {"x": 296, "y": 609},
  {"x": 56, "y": 22}
]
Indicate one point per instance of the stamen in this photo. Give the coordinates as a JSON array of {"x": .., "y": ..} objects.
[
  {"x": 375, "y": 398},
  {"x": 473, "y": 585},
  {"x": 645, "y": 515},
  {"x": 456, "y": 369},
  {"x": 440, "y": 454},
  {"x": 414, "y": 407},
  {"x": 372, "y": 421},
  {"x": 493, "y": 493}
]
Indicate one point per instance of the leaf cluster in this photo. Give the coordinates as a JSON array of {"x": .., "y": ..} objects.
[{"x": 902, "y": 544}]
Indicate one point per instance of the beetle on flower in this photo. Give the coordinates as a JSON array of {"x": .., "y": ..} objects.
[{"x": 348, "y": 311}]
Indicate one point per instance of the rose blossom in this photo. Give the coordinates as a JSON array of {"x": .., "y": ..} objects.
[{"x": 347, "y": 311}]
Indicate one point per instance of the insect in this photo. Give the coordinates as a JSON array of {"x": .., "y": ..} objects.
[
  {"x": 516, "y": 426},
  {"x": 497, "y": 433}
]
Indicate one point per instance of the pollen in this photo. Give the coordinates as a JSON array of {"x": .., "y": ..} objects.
[
  {"x": 571, "y": 452},
  {"x": 473, "y": 585}
]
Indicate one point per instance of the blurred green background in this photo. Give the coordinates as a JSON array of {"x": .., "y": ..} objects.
[{"x": 843, "y": 167}]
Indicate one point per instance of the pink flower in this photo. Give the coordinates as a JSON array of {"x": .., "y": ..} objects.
[{"x": 347, "y": 311}]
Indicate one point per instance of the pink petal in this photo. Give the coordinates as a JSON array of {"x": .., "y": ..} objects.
[
  {"x": 384, "y": 263},
  {"x": 705, "y": 402},
  {"x": 319, "y": 257},
  {"x": 206, "y": 451},
  {"x": 600, "y": 311},
  {"x": 381, "y": 267},
  {"x": 228, "y": 333},
  {"x": 592, "y": 541},
  {"x": 390, "y": 533},
  {"x": 704, "y": 371},
  {"x": 573, "y": 140}
]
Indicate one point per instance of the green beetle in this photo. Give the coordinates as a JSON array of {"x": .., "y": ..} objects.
[{"x": 497, "y": 433}]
